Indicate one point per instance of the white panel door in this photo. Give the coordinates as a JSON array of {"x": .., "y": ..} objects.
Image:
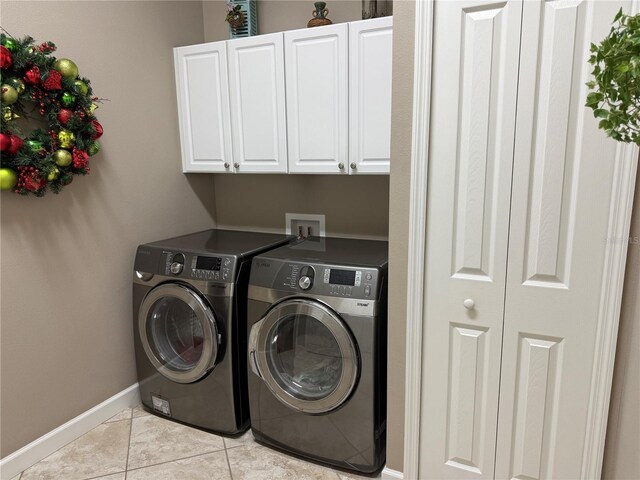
[
  {"x": 203, "y": 107},
  {"x": 562, "y": 188},
  {"x": 317, "y": 89},
  {"x": 370, "y": 58},
  {"x": 256, "y": 87},
  {"x": 473, "y": 110}
]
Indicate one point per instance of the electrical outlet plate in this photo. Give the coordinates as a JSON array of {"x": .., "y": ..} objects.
[{"x": 308, "y": 222}]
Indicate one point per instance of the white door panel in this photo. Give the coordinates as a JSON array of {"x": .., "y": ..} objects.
[
  {"x": 256, "y": 85},
  {"x": 370, "y": 72},
  {"x": 473, "y": 108},
  {"x": 316, "y": 90},
  {"x": 563, "y": 177},
  {"x": 203, "y": 107}
]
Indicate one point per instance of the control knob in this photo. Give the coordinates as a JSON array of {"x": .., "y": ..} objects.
[
  {"x": 306, "y": 278},
  {"x": 177, "y": 264}
]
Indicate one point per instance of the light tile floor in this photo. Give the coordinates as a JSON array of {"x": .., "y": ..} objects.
[{"x": 135, "y": 445}]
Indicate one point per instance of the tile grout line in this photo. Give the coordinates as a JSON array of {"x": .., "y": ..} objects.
[
  {"x": 105, "y": 475},
  {"x": 175, "y": 460},
  {"x": 126, "y": 462},
  {"x": 227, "y": 457}
]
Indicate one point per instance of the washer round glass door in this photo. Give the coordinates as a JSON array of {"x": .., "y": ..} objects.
[
  {"x": 178, "y": 332},
  {"x": 306, "y": 355}
]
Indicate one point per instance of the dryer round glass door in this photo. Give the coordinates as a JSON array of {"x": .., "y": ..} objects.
[
  {"x": 306, "y": 355},
  {"x": 178, "y": 332}
]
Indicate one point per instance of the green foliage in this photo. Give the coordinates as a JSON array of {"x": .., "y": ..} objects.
[{"x": 614, "y": 93}]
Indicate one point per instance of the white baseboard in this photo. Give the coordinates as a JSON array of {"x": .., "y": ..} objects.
[
  {"x": 388, "y": 474},
  {"x": 30, "y": 454}
]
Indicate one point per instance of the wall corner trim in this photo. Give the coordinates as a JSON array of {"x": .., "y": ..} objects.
[
  {"x": 30, "y": 454},
  {"x": 620, "y": 211},
  {"x": 388, "y": 474},
  {"x": 417, "y": 228}
]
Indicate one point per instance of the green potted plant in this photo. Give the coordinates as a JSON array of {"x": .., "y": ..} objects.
[{"x": 614, "y": 93}]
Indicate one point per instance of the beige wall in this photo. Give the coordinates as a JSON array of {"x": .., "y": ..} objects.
[
  {"x": 277, "y": 15},
  {"x": 621, "y": 459},
  {"x": 66, "y": 328},
  {"x": 403, "y": 32},
  {"x": 353, "y": 206}
]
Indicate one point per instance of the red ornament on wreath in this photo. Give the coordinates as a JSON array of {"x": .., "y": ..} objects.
[
  {"x": 16, "y": 145},
  {"x": 53, "y": 81},
  {"x": 32, "y": 75},
  {"x": 5, "y": 142},
  {"x": 5, "y": 57},
  {"x": 37, "y": 158},
  {"x": 98, "y": 129},
  {"x": 80, "y": 158},
  {"x": 30, "y": 179},
  {"x": 64, "y": 115}
]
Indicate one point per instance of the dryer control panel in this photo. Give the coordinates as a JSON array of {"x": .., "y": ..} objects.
[
  {"x": 220, "y": 268},
  {"x": 328, "y": 280}
]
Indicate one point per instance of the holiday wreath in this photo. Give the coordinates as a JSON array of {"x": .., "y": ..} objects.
[{"x": 38, "y": 87}]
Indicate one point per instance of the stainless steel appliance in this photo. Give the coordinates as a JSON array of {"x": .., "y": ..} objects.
[
  {"x": 189, "y": 324},
  {"x": 317, "y": 351}
]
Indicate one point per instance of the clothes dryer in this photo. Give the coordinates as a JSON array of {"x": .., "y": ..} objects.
[
  {"x": 189, "y": 324},
  {"x": 317, "y": 315}
]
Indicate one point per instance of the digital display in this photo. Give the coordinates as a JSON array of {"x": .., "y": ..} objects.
[
  {"x": 342, "y": 277},
  {"x": 208, "y": 263}
]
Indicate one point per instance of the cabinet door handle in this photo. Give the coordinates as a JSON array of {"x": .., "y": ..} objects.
[
  {"x": 469, "y": 304},
  {"x": 353, "y": 166},
  {"x": 226, "y": 165},
  {"x": 341, "y": 166},
  {"x": 236, "y": 165}
]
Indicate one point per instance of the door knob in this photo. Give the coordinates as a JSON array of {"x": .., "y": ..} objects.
[{"x": 469, "y": 304}]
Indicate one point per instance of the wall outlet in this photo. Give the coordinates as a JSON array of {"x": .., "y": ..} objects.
[{"x": 304, "y": 224}]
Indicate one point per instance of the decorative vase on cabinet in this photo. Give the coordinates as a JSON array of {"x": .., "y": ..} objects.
[{"x": 319, "y": 15}]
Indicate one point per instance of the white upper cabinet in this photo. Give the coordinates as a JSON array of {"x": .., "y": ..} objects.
[
  {"x": 370, "y": 55},
  {"x": 203, "y": 107},
  {"x": 317, "y": 92},
  {"x": 257, "y": 97},
  {"x": 316, "y": 100}
]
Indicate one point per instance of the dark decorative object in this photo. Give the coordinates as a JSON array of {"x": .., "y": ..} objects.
[
  {"x": 234, "y": 17},
  {"x": 319, "y": 15},
  {"x": 242, "y": 16},
  {"x": 376, "y": 8}
]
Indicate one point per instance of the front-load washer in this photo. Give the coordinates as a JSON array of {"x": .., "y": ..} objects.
[
  {"x": 189, "y": 319},
  {"x": 317, "y": 316}
]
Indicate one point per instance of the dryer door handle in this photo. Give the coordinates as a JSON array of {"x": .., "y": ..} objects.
[{"x": 253, "y": 347}]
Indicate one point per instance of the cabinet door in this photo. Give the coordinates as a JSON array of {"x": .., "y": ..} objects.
[
  {"x": 370, "y": 55},
  {"x": 203, "y": 107},
  {"x": 556, "y": 300},
  {"x": 317, "y": 110},
  {"x": 256, "y": 87},
  {"x": 473, "y": 109}
]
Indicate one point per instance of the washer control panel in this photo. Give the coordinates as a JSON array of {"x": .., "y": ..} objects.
[
  {"x": 219, "y": 268},
  {"x": 348, "y": 282}
]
